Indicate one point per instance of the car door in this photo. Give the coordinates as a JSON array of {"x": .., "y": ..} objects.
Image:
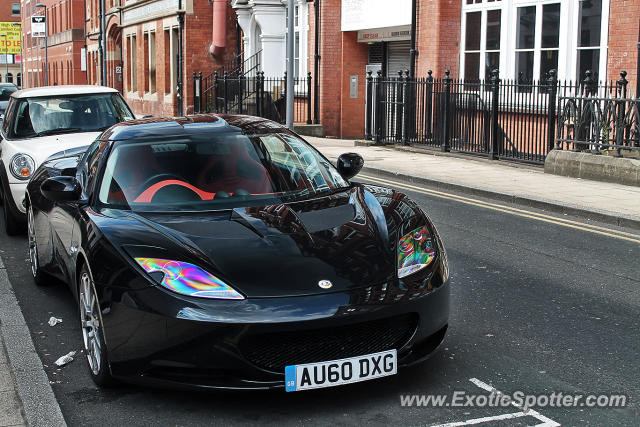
[{"x": 64, "y": 215}]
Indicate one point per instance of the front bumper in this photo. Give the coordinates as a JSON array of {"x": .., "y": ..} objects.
[
  {"x": 15, "y": 191},
  {"x": 18, "y": 195},
  {"x": 157, "y": 338}
]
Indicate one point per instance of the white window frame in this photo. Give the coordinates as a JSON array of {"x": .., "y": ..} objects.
[
  {"x": 132, "y": 46},
  {"x": 302, "y": 30},
  {"x": 483, "y": 8},
  {"x": 151, "y": 63},
  {"x": 568, "y": 45}
]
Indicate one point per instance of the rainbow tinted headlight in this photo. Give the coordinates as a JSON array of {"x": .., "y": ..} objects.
[
  {"x": 415, "y": 251},
  {"x": 188, "y": 279}
]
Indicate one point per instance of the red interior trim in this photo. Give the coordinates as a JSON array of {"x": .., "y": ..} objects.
[{"x": 147, "y": 195}]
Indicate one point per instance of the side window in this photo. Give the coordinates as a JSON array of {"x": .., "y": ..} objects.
[
  {"x": 90, "y": 167},
  {"x": 21, "y": 125},
  {"x": 8, "y": 116}
]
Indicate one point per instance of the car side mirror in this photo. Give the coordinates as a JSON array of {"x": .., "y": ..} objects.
[
  {"x": 349, "y": 164},
  {"x": 61, "y": 189}
]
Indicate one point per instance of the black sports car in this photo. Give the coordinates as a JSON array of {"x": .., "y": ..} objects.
[{"x": 226, "y": 252}]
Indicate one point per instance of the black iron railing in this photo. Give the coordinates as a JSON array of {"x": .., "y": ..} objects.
[
  {"x": 509, "y": 119},
  {"x": 599, "y": 120},
  {"x": 255, "y": 95}
]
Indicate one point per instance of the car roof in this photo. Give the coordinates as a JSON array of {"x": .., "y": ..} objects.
[
  {"x": 62, "y": 90},
  {"x": 199, "y": 124}
]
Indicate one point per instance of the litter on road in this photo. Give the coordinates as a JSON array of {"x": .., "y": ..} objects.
[
  {"x": 67, "y": 358},
  {"x": 53, "y": 321}
]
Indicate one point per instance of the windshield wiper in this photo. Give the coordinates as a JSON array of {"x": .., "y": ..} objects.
[{"x": 57, "y": 130}]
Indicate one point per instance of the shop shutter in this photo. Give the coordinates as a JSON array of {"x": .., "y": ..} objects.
[{"x": 398, "y": 54}]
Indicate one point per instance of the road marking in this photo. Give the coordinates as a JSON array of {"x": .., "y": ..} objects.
[
  {"x": 524, "y": 412},
  {"x": 511, "y": 210},
  {"x": 530, "y": 412},
  {"x": 483, "y": 420}
]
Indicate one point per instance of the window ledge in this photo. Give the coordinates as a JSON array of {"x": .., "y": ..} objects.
[{"x": 150, "y": 96}]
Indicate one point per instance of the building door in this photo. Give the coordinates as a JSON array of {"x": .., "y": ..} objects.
[{"x": 114, "y": 58}]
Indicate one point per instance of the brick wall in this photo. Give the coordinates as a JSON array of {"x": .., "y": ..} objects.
[
  {"x": 330, "y": 67},
  {"x": 354, "y": 60},
  {"x": 196, "y": 58},
  {"x": 5, "y": 11},
  {"x": 624, "y": 25},
  {"x": 63, "y": 57},
  {"x": 438, "y": 40},
  {"x": 438, "y": 37},
  {"x": 198, "y": 39}
]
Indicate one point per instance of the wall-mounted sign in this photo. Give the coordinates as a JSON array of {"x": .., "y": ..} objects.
[
  {"x": 13, "y": 37},
  {"x": 366, "y": 14},
  {"x": 118, "y": 69},
  {"x": 6, "y": 59},
  {"x": 149, "y": 10},
  {"x": 38, "y": 26},
  {"x": 385, "y": 34}
]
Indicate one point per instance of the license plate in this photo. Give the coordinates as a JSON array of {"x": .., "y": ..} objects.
[{"x": 342, "y": 371}]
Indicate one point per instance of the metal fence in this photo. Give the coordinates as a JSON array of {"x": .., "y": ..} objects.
[
  {"x": 255, "y": 95},
  {"x": 599, "y": 119},
  {"x": 508, "y": 119}
]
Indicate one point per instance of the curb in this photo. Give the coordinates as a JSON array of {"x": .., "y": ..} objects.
[
  {"x": 38, "y": 401},
  {"x": 606, "y": 217}
]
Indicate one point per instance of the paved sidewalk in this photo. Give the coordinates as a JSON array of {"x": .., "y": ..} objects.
[
  {"x": 10, "y": 404},
  {"x": 11, "y": 413},
  {"x": 26, "y": 397},
  {"x": 523, "y": 184}
]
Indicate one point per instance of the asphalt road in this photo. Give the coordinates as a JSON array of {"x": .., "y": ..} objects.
[{"x": 537, "y": 307}]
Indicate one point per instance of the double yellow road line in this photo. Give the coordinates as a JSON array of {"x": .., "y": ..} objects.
[{"x": 577, "y": 225}]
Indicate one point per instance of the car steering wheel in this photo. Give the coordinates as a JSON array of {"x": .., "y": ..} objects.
[{"x": 157, "y": 178}]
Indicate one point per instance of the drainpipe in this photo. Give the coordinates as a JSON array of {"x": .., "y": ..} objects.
[
  {"x": 316, "y": 68},
  {"x": 638, "y": 68},
  {"x": 103, "y": 42},
  {"x": 412, "y": 60},
  {"x": 180, "y": 95},
  {"x": 219, "y": 35}
]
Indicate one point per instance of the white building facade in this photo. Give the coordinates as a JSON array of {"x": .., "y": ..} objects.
[{"x": 264, "y": 25}]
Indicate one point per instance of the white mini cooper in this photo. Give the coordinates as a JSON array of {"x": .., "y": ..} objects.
[{"x": 43, "y": 121}]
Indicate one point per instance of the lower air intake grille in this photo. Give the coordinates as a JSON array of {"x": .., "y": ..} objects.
[{"x": 275, "y": 351}]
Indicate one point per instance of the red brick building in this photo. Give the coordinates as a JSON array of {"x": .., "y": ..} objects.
[
  {"x": 65, "y": 41},
  {"x": 10, "y": 40},
  {"x": 141, "y": 46},
  {"x": 149, "y": 42},
  {"x": 522, "y": 38}
]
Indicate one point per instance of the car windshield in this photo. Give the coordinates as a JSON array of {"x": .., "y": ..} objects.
[
  {"x": 69, "y": 113},
  {"x": 220, "y": 171},
  {"x": 6, "y": 91}
]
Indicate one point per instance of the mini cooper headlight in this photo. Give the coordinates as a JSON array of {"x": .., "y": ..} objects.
[
  {"x": 415, "y": 251},
  {"x": 22, "y": 166},
  {"x": 188, "y": 279}
]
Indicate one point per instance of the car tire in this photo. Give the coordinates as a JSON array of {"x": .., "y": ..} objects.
[
  {"x": 39, "y": 276},
  {"x": 12, "y": 225},
  {"x": 92, "y": 331}
]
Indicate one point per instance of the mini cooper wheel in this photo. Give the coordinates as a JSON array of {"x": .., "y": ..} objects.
[
  {"x": 92, "y": 333},
  {"x": 39, "y": 276}
]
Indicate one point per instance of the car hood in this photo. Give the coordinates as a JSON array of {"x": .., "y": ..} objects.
[
  {"x": 40, "y": 148},
  {"x": 274, "y": 250}
]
